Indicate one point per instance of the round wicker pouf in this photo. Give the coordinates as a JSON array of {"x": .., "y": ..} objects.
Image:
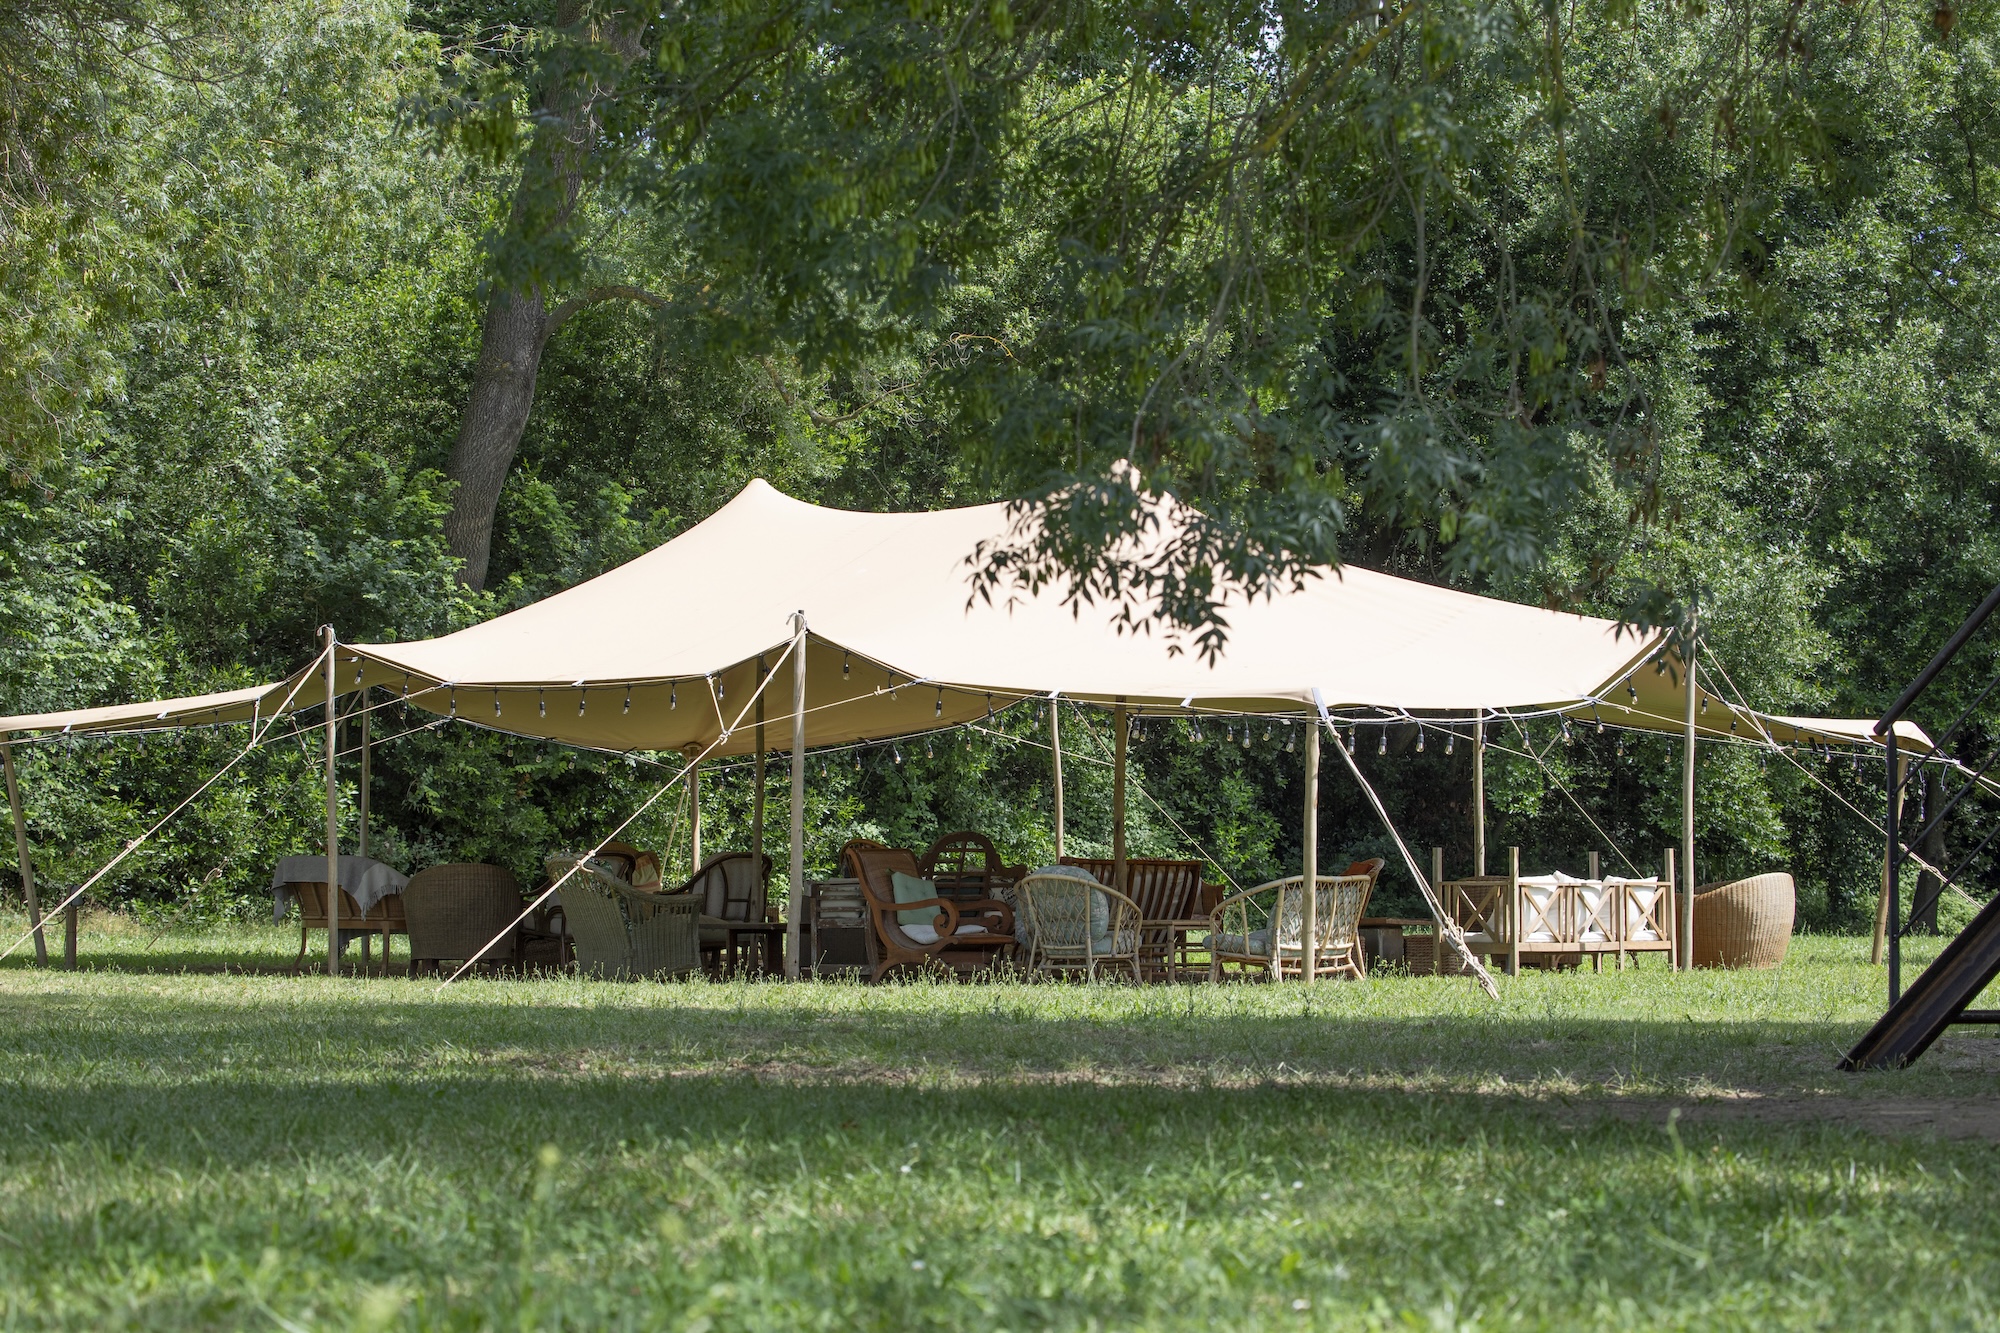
[{"x": 1744, "y": 923}]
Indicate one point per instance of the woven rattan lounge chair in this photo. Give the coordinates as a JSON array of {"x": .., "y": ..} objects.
[
  {"x": 967, "y": 865},
  {"x": 622, "y": 933},
  {"x": 1074, "y": 924},
  {"x": 384, "y": 918},
  {"x": 964, "y": 935},
  {"x": 454, "y": 913},
  {"x": 1264, "y": 928},
  {"x": 1742, "y": 923}
]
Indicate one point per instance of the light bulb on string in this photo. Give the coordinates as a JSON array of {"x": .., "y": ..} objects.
[
  {"x": 928, "y": 754},
  {"x": 1267, "y": 730},
  {"x": 454, "y": 701},
  {"x": 581, "y": 695},
  {"x": 1565, "y": 731},
  {"x": 673, "y": 696},
  {"x": 1291, "y": 739},
  {"x": 541, "y": 703},
  {"x": 1598, "y": 720},
  {"x": 721, "y": 689},
  {"x": 857, "y": 759},
  {"x": 1246, "y": 733},
  {"x": 1194, "y": 726},
  {"x": 1450, "y": 741},
  {"x": 845, "y": 665},
  {"x": 989, "y": 705},
  {"x": 628, "y": 700},
  {"x": 1704, "y": 703},
  {"x": 892, "y": 685},
  {"x": 1420, "y": 740},
  {"x": 496, "y": 703},
  {"x": 1633, "y": 691},
  {"x": 897, "y": 751},
  {"x": 939, "y": 710},
  {"x": 1382, "y": 745}
]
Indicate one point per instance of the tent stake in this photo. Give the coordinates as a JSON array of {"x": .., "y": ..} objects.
[
  {"x": 1118, "y": 797},
  {"x": 332, "y": 808},
  {"x": 797, "y": 869},
  {"x": 1479, "y": 795},
  {"x": 1684, "y": 925},
  {"x": 1055, "y": 759},
  {"x": 34, "y": 901},
  {"x": 1309, "y": 879}
]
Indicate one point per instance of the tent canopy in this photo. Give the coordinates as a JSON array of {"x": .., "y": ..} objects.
[{"x": 662, "y": 653}]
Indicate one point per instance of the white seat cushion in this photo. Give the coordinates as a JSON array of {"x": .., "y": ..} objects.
[{"x": 929, "y": 935}]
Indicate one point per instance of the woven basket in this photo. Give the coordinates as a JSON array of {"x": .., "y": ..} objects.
[{"x": 1744, "y": 923}]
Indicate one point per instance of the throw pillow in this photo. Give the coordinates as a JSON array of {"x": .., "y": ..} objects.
[{"x": 910, "y": 889}]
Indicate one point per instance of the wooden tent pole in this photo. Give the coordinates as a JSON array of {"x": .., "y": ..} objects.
[
  {"x": 1309, "y": 879},
  {"x": 1684, "y": 922},
  {"x": 1479, "y": 796},
  {"x": 32, "y": 897},
  {"x": 1121, "y": 729},
  {"x": 694, "y": 810},
  {"x": 797, "y": 869},
  {"x": 361, "y": 804},
  {"x": 1055, "y": 759},
  {"x": 757, "y": 782},
  {"x": 332, "y": 808}
]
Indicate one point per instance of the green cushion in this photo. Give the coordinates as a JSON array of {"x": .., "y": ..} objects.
[{"x": 910, "y": 889}]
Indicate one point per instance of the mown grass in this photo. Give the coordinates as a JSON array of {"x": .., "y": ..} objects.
[{"x": 210, "y": 1148}]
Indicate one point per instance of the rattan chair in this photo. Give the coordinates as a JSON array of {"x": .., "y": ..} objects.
[
  {"x": 385, "y": 918},
  {"x": 1745, "y": 922},
  {"x": 1264, "y": 928},
  {"x": 1075, "y": 924},
  {"x": 622, "y": 933},
  {"x": 1167, "y": 893},
  {"x": 454, "y": 913}
]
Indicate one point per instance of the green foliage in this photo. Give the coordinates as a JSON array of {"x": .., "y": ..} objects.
[{"x": 1617, "y": 308}]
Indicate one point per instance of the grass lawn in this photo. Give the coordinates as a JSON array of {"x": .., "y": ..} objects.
[{"x": 191, "y": 1146}]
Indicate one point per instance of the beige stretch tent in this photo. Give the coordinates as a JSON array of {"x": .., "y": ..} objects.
[{"x": 894, "y": 641}]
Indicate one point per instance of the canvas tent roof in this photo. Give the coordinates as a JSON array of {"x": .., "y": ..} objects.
[{"x": 661, "y": 653}]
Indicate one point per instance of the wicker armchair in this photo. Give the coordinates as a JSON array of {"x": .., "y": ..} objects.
[
  {"x": 1241, "y": 930},
  {"x": 621, "y": 933},
  {"x": 1074, "y": 923},
  {"x": 454, "y": 912},
  {"x": 1742, "y": 923},
  {"x": 964, "y": 934}
]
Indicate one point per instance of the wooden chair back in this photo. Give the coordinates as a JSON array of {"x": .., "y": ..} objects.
[
  {"x": 966, "y": 865},
  {"x": 1164, "y": 890},
  {"x": 731, "y": 886}
]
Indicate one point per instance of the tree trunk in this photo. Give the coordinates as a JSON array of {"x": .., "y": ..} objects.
[
  {"x": 518, "y": 321},
  {"x": 496, "y": 415}
]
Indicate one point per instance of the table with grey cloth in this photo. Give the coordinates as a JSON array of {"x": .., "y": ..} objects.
[{"x": 366, "y": 880}]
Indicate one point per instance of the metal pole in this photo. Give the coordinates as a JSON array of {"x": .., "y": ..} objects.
[
  {"x": 1309, "y": 876},
  {"x": 1479, "y": 796},
  {"x": 757, "y": 781},
  {"x": 33, "y": 899},
  {"x": 1684, "y": 927},
  {"x": 1055, "y": 748},
  {"x": 797, "y": 869},
  {"x": 332, "y": 809},
  {"x": 1119, "y": 726},
  {"x": 361, "y": 844}
]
